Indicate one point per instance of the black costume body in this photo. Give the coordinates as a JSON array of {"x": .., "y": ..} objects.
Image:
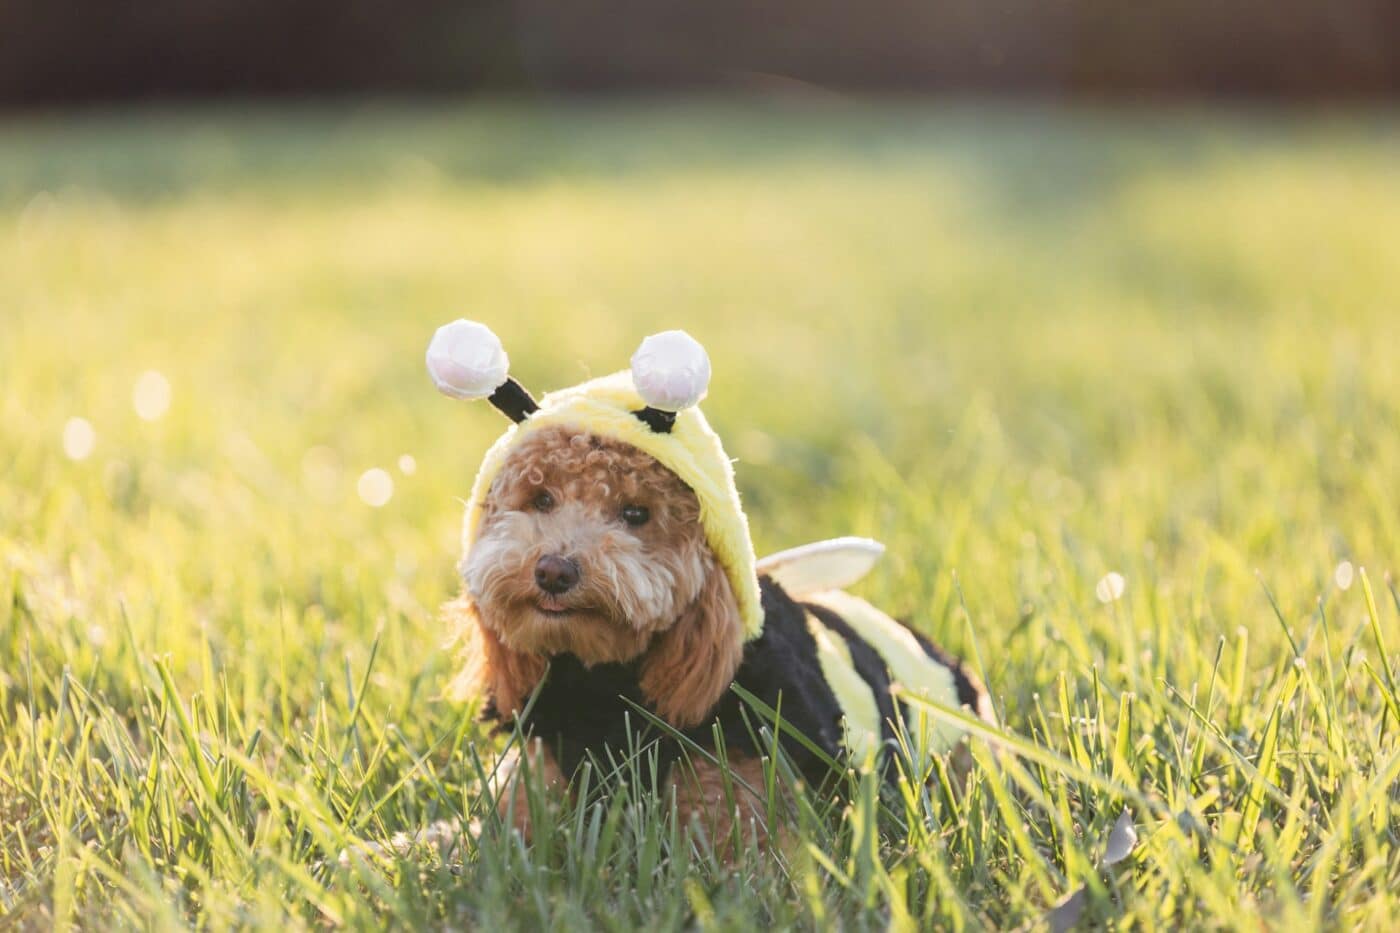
[{"x": 581, "y": 712}]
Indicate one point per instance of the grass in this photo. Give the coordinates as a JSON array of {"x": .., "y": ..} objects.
[{"x": 1026, "y": 348}]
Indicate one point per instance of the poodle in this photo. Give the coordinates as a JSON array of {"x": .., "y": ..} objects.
[{"x": 611, "y": 601}]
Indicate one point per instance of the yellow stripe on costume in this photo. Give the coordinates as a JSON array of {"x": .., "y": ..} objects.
[
  {"x": 911, "y": 669},
  {"x": 852, "y": 693}
]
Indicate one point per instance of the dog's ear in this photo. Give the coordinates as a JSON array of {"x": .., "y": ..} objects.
[
  {"x": 488, "y": 667},
  {"x": 691, "y": 664}
]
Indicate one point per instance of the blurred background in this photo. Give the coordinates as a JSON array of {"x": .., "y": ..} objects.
[{"x": 58, "y": 53}]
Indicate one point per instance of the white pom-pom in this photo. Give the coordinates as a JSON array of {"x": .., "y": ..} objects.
[
  {"x": 671, "y": 370},
  {"x": 466, "y": 360}
]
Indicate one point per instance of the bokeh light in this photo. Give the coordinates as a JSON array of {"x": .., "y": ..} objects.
[
  {"x": 151, "y": 395},
  {"x": 1111, "y": 587},
  {"x": 79, "y": 438},
  {"x": 376, "y": 487}
]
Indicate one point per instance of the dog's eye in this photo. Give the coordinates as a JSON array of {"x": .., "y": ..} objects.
[
  {"x": 635, "y": 515},
  {"x": 543, "y": 501}
]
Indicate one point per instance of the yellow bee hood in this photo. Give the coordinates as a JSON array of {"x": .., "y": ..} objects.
[{"x": 652, "y": 407}]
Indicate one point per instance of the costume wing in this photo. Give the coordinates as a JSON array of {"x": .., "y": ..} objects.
[{"x": 821, "y": 565}]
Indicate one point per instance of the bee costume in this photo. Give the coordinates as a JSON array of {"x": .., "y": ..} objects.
[{"x": 833, "y": 665}]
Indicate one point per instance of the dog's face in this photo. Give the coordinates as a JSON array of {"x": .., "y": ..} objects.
[{"x": 588, "y": 546}]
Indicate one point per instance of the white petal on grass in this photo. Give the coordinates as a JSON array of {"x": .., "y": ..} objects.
[
  {"x": 407, "y": 465},
  {"x": 376, "y": 487},
  {"x": 151, "y": 395},
  {"x": 1121, "y": 840},
  {"x": 79, "y": 438},
  {"x": 1344, "y": 575},
  {"x": 1064, "y": 915},
  {"x": 1111, "y": 587}
]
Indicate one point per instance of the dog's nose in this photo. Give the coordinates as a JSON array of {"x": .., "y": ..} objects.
[{"x": 555, "y": 574}]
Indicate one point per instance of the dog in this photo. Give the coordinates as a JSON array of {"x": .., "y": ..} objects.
[{"x": 610, "y": 601}]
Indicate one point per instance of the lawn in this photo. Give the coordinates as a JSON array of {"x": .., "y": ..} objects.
[{"x": 1119, "y": 390}]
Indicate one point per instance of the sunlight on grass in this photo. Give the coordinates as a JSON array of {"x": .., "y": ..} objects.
[{"x": 1118, "y": 392}]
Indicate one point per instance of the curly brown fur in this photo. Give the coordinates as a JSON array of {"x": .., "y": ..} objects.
[
  {"x": 488, "y": 666},
  {"x": 692, "y": 663},
  {"x": 718, "y": 800},
  {"x": 651, "y": 591}
]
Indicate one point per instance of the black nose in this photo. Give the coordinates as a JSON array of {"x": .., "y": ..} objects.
[{"x": 555, "y": 574}]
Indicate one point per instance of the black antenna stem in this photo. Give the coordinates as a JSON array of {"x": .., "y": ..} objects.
[{"x": 513, "y": 401}]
